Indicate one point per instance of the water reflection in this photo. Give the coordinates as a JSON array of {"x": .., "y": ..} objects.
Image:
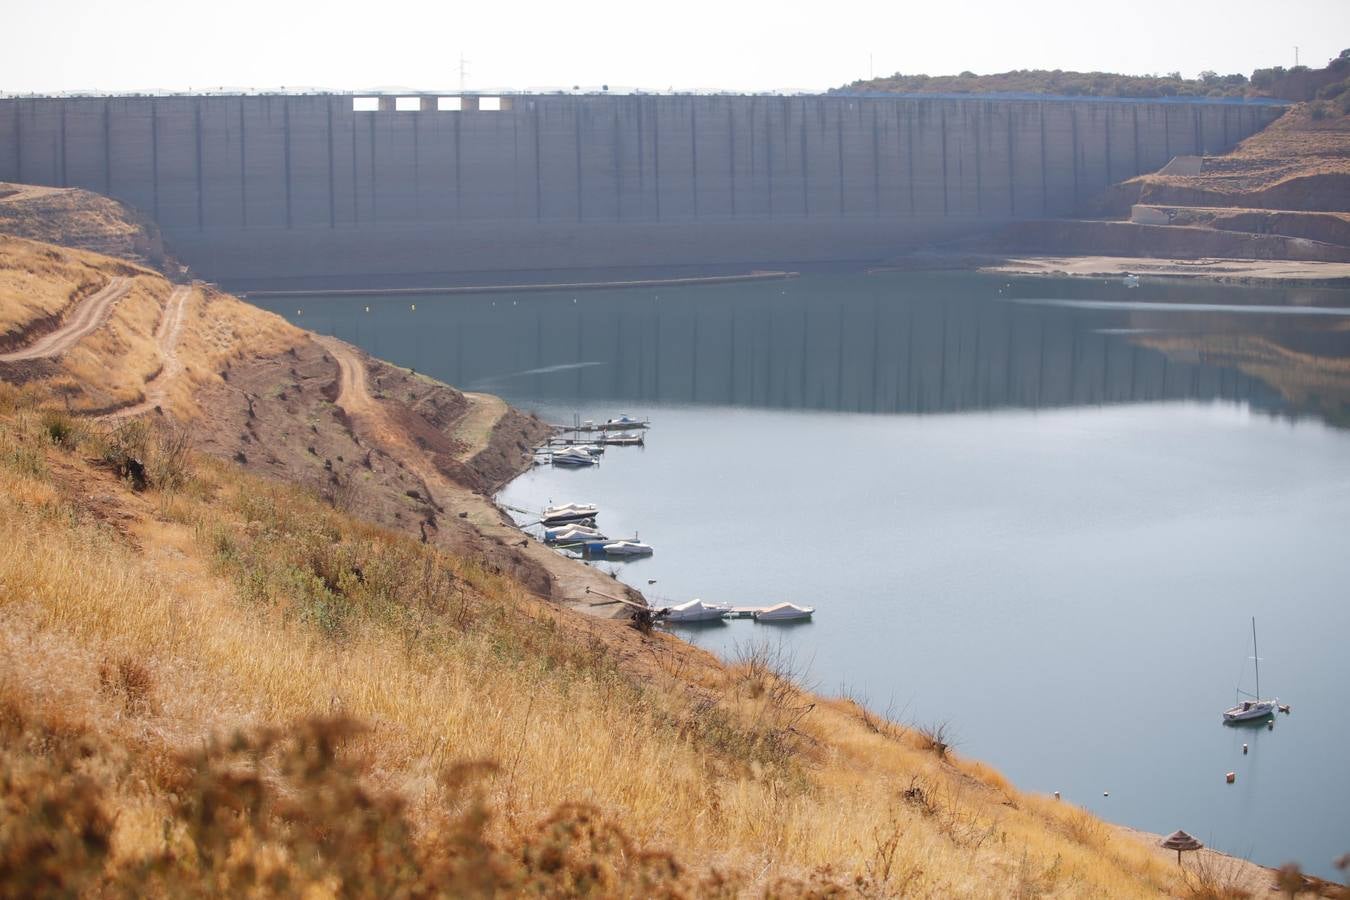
[{"x": 897, "y": 343}]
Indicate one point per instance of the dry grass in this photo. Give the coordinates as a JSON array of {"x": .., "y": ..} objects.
[
  {"x": 39, "y": 280},
  {"x": 111, "y": 367},
  {"x": 231, "y": 605}
]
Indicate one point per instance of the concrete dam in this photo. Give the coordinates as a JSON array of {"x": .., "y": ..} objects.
[{"x": 273, "y": 187}]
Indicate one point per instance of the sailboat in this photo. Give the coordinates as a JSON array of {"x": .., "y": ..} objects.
[{"x": 1254, "y": 708}]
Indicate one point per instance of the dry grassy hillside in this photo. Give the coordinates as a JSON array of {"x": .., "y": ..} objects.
[
  {"x": 140, "y": 626},
  {"x": 77, "y": 218},
  {"x": 39, "y": 283},
  {"x": 213, "y": 682}
]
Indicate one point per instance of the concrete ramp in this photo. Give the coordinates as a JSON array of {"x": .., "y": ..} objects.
[{"x": 1184, "y": 165}]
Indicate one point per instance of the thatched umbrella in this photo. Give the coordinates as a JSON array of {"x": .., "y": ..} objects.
[{"x": 1179, "y": 841}]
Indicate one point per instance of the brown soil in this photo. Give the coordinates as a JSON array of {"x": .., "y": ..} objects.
[
  {"x": 275, "y": 415},
  {"x": 370, "y": 396}
]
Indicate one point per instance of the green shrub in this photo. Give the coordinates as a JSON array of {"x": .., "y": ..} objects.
[{"x": 61, "y": 428}]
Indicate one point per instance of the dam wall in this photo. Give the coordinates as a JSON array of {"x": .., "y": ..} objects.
[{"x": 294, "y": 186}]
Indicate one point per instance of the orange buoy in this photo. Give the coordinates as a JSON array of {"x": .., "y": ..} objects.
[{"x": 1231, "y": 777}]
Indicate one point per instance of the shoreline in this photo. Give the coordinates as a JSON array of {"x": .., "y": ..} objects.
[
  {"x": 1256, "y": 272},
  {"x": 686, "y": 281}
]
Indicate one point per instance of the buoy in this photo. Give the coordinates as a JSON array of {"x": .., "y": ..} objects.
[
  {"x": 1106, "y": 793},
  {"x": 1270, "y": 726},
  {"x": 1056, "y": 795},
  {"x": 1230, "y": 777},
  {"x": 1244, "y": 749}
]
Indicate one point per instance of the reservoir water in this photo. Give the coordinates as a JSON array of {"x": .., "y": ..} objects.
[{"x": 1042, "y": 511}]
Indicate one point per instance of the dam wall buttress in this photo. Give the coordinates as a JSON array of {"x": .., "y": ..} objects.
[{"x": 277, "y": 186}]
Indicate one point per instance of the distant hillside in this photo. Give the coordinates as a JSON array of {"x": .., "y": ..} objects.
[
  {"x": 71, "y": 217},
  {"x": 1298, "y": 83}
]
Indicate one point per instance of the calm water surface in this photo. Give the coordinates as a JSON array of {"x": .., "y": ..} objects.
[{"x": 1042, "y": 511}]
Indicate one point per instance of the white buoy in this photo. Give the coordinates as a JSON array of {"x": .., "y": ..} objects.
[
  {"x": 1056, "y": 795},
  {"x": 1106, "y": 793},
  {"x": 1244, "y": 749},
  {"x": 1230, "y": 777}
]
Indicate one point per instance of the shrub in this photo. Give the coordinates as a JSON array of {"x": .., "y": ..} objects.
[
  {"x": 287, "y": 812},
  {"x": 130, "y": 682},
  {"x": 147, "y": 455},
  {"x": 61, "y": 428}
]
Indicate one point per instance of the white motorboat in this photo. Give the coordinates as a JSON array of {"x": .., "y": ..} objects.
[
  {"x": 627, "y": 548},
  {"x": 624, "y": 423},
  {"x": 784, "y": 612},
  {"x": 695, "y": 611},
  {"x": 568, "y": 512},
  {"x": 572, "y": 456},
  {"x": 1254, "y": 708},
  {"x": 1131, "y": 280},
  {"x": 592, "y": 449},
  {"x": 573, "y": 534},
  {"x": 624, "y": 439}
]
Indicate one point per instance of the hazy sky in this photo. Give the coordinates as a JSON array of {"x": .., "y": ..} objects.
[{"x": 67, "y": 45}]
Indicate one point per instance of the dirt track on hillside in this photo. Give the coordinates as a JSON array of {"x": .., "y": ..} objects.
[
  {"x": 167, "y": 334},
  {"x": 89, "y": 315},
  {"x": 574, "y": 584}
]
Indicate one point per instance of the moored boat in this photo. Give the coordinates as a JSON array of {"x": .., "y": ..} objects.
[
  {"x": 695, "y": 611},
  {"x": 624, "y": 439},
  {"x": 572, "y": 456},
  {"x": 1254, "y": 708},
  {"x": 563, "y": 513},
  {"x": 573, "y": 534},
  {"x": 618, "y": 549},
  {"x": 624, "y": 423},
  {"x": 784, "y": 612}
]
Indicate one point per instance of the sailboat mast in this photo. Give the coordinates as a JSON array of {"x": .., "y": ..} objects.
[{"x": 1257, "y": 657}]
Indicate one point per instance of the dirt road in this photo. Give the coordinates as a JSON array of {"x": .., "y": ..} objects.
[
  {"x": 575, "y": 584},
  {"x": 166, "y": 334},
  {"x": 90, "y": 314},
  {"x": 475, "y": 429}
]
